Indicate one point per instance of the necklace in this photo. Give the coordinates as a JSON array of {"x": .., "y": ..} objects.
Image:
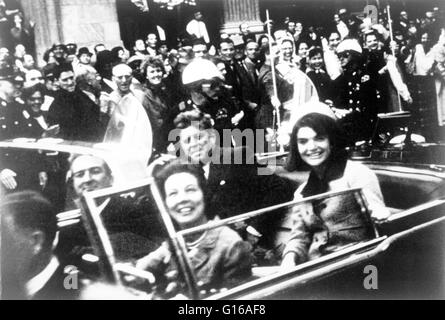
[{"x": 194, "y": 244}]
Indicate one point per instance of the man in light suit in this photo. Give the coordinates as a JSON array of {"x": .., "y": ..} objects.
[{"x": 197, "y": 28}]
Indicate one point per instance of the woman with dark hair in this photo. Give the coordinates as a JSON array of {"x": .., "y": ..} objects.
[
  {"x": 219, "y": 257},
  {"x": 318, "y": 228},
  {"x": 120, "y": 54},
  {"x": 302, "y": 49},
  {"x": 157, "y": 101},
  {"x": 263, "y": 40}
]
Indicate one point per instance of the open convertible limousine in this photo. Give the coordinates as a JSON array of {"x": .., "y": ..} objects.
[{"x": 405, "y": 254}]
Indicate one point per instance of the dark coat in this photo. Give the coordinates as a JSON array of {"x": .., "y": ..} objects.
[
  {"x": 237, "y": 188},
  {"x": 234, "y": 189},
  {"x": 158, "y": 105},
  {"x": 356, "y": 91},
  {"x": 264, "y": 116},
  {"x": 77, "y": 115},
  {"x": 248, "y": 78},
  {"x": 323, "y": 84},
  {"x": 26, "y": 164},
  {"x": 17, "y": 122},
  {"x": 133, "y": 226},
  {"x": 232, "y": 77}
]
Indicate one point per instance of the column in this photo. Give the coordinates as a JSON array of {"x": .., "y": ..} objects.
[
  {"x": 84, "y": 22},
  {"x": 240, "y": 11},
  {"x": 46, "y": 16}
]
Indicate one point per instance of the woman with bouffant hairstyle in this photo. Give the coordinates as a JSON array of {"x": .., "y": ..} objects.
[{"x": 324, "y": 226}]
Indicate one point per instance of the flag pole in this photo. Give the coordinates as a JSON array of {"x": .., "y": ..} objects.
[
  {"x": 391, "y": 35},
  {"x": 276, "y": 111}
]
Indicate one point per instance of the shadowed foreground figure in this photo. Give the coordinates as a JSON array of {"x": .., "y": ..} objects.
[{"x": 30, "y": 270}]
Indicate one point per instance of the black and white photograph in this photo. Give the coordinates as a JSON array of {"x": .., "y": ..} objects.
[{"x": 227, "y": 150}]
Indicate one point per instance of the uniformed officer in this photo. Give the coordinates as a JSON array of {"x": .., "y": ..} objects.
[
  {"x": 18, "y": 170},
  {"x": 15, "y": 121},
  {"x": 356, "y": 100},
  {"x": 205, "y": 84}
]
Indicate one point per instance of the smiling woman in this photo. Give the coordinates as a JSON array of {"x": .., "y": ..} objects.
[
  {"x": 157, "y": 101},
  {"x": 219, "y": 257},
  {"x": 317, "y": 143}
]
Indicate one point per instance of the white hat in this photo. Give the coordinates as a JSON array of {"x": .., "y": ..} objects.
[
  {"x": 349, "y": 45},
  {"x": 200, "y": 69}
]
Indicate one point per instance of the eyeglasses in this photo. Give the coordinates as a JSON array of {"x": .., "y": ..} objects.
[
  {"x": 123, "y": 77},
  {"x": 343, "y": 55}
]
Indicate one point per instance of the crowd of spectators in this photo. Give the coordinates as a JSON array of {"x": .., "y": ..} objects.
[{"x": 402, "y": 71}]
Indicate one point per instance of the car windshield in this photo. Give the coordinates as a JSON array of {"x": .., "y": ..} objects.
[
  {"x": 219, "y": 255},
  {"x": 314, "y": 227}
]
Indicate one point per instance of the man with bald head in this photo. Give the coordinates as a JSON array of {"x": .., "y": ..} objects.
[
  {"x": 131, "y": 224},
  {"x": 122, "y": 76},
  {"x": 129, "y": 123},
  {"x": 90, "y": 173}
]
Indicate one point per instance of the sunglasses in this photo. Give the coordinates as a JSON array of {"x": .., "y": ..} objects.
[
  {"x": 203, "y": 86},
  {"x": 343, "y": 55}
]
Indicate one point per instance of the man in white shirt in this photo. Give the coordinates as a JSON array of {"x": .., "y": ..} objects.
[
  {"x": 30, "y": 270},
  {"x": 129, "y": 124},
  {"x": 197, "y": 28}
]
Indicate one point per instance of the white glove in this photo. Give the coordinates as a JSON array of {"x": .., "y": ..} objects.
[
  {"x": 275, "y": 102},
  {"x": 7, "y": 178}
]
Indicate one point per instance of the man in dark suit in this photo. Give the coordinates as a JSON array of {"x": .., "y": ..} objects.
[
  {"x": 73, "y": 110},
  {"x": 30, "y": 270},
  {"x": 132, "y": 224},
  {"x": 227, "y": 54},
  {"x": 234, "y": 183},
  {"x": 247, "y": 70}
]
